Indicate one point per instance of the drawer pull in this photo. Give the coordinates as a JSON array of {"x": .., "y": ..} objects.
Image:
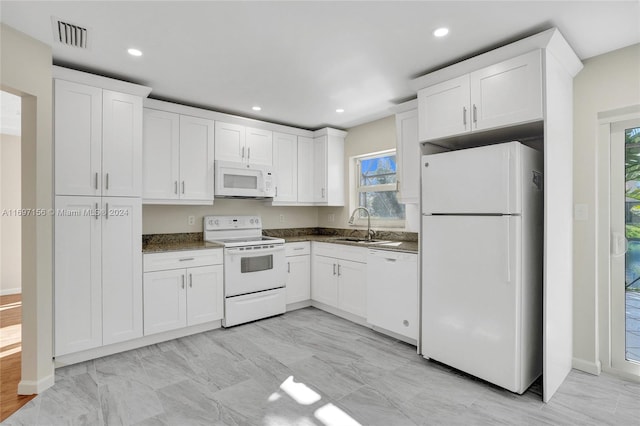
[{"x": 187, "y": 259}]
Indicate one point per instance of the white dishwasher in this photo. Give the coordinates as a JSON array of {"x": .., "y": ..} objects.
[{"x": 392, "y": 292}]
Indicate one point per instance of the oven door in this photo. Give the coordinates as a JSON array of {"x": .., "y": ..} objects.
[{"x": 253, "y": 268}]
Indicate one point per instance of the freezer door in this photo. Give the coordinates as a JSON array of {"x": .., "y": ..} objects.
[
  {"x": 471, "y": 292},
  {"x": 475, "y": 180}
]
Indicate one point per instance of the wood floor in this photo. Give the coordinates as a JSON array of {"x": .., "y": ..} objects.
[
  {"x": 307, "y": 368},
  {"x": 10, "y": 355}
]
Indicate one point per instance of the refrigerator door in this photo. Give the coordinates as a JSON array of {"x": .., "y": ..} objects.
[
  {"x": 471, "y": 296},
  {"x": 482, "y": 180}
]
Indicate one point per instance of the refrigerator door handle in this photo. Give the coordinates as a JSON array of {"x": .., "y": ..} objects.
[{"x": 508, "y": 250}]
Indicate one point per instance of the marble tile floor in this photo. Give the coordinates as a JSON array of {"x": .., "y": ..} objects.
[
  {"x": 307, "y": 367},
  {"x": 632, "y": 325}
]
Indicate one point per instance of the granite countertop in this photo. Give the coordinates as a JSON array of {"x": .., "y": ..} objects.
[
  {"x": 158, "y": 243},
  {"x": 393, "y": 241}
]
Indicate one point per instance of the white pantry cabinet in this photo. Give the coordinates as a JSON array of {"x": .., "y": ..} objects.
[
  {"x": 285, "y": 167},
  {"x": 298, "y": 256},
  {"x": 177, "y": 158},
  {"x": 503, "y": 94},
  {"x": 98, "y": 141},
  {"x": 339, "y": 277},
  {"x": 242, "y": 144},
  {"x": 408, "y": 156},
  {"x": 182, "y": 289},
  {"x": 98, "y": 281},
  {"x": 328, "y": 158}
]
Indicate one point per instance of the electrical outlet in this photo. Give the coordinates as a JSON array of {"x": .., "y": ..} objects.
[
  {"x": 191, "y": 220},
  {"x": 281, "y": 218},
  {"x": 332, "y": 217}
]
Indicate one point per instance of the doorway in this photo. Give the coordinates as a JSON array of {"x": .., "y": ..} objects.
[{"x": 625, "y": 246}]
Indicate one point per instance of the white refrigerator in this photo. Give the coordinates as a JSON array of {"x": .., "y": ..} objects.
[{"x": 481, "y": 245}]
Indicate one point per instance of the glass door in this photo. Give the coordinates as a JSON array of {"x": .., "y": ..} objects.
[{"x": 625, "y": 246}]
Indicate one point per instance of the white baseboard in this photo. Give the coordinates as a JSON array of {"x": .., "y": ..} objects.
[
  {"x": 31, "y": 387},
  {"x": 298, "y": 305},
  {"x": 8, "y": 291},
  {"x": 587, "y": 366}
]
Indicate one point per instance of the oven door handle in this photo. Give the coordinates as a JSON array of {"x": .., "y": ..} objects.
[{"x": 236, "y": 251}]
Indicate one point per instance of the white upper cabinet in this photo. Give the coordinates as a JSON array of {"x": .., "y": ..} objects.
[
  {"x": 78, "y": 138},
  {"x": 328, "y": 167},
  {"x": 98, "y": 141},
  {"x": 196, "y": 158},
  {"x": 230, "y": 142},
  {"x": 408, "y": 157},
  {"x": 259, "y": 145},
  {"x": 504, "y": 94},
  {"x": 444, "y": 109},
  {"x": 285, "y": 166},
  {"x": 161, "y": 155},
  {"x": 177, "y": 159},
  {"x": 121, "y": 144},
  {"x": 242, "y": 144},
  {"x": 305, "y": 170}
]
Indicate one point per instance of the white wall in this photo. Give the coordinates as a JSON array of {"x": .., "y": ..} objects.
[
  {"x": 26, "y": 71},
  {"x": 370, "y": 137},
  {"x": 10, "y": 238},
  {"x": 607, "y": 82},
  {"x": 161, "y": 219}
]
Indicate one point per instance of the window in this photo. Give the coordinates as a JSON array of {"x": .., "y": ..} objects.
[{"x": 377, "y": 188}]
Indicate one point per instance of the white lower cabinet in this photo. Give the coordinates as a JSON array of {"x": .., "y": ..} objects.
[
  {"x": 98, "y": 279},
  {"x": 298, "y": 272},
  {"x": 180, "y": 292},
  {"x": 339, "y": 277}
]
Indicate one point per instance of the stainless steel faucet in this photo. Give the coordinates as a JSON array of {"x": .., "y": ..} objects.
[{"x": 353, "y": 216}]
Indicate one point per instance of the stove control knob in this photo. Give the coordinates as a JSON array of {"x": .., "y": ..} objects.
[
  {"x": 251, "y": 221},
  {"x": 257, "y": 220},
  {"x": 216, "y": 222}
]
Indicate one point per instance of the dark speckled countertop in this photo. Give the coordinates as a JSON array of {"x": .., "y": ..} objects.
[{"x": 393, "y": 241}]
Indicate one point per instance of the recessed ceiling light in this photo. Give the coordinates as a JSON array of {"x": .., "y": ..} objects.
[
  {"x": 134, "y": 52},
  {"x": 256, "y": 108},
  {"x": 340, "y": 110},
  {"x": 441, "y": 32}
]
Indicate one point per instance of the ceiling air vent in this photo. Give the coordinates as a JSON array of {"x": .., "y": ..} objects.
[{"x": 69, "y": 34}]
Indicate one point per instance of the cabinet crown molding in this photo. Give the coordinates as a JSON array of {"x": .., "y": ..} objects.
[
  {"x": 328, "y": 131},
  {"x": 94, "y": 80},
  {"x": 551, "y": 40}
]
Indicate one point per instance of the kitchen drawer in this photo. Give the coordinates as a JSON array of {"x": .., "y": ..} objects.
[
  {"x": 340, "y": 251},
  {"x": 181, "y": 259},
  {"x": 297, "y": 249}
]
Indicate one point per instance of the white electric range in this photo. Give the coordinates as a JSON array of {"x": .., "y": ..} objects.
[{"x": 254, "y": 268}]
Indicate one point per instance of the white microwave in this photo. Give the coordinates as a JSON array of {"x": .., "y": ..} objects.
[{"x": 238, "y": 180}]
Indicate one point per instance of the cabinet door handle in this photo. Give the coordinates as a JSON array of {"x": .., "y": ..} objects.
[
  {"x": 175, "y": 187},
  {"x": 183, "y": 187},
  {"x": 107, "y": 182},
  {"x": 106, "y": 212},
  {"x": 190, "y": 280},
  {"x": 298, "y": 248},
  {"x": 475, "y": 114},
  {"x": 248, "y": 153},
  {"x": 243, "y": 152},
  {"x": 322, "y": 192},
  {"x": 276, "y": 196},
  {"x": 334, "y": 269},
  {"x": 97, "y": 212},
  {"x": 339, "y": 270},
  {"x": 185, "y": 259},
  {"x": 464, "y": 116},
  {"x": 182, "y": 277},
  {"x": 288, "y": 267},
  {"x": 96, "y": 180}
]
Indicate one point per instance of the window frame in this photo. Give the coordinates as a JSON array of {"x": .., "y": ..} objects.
[{"x": 356, "y": 189}]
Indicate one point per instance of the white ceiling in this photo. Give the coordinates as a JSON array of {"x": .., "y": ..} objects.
[{"x": 301, "y": 60}]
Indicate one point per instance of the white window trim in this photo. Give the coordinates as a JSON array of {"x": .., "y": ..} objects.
[{"x": 354, "y": 191}]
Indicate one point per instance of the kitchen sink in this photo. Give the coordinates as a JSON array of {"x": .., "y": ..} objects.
[{"x": 360, "y": 240}]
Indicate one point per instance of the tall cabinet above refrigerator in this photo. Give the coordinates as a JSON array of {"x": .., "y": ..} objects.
[{"x": 482, "y": 233}]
